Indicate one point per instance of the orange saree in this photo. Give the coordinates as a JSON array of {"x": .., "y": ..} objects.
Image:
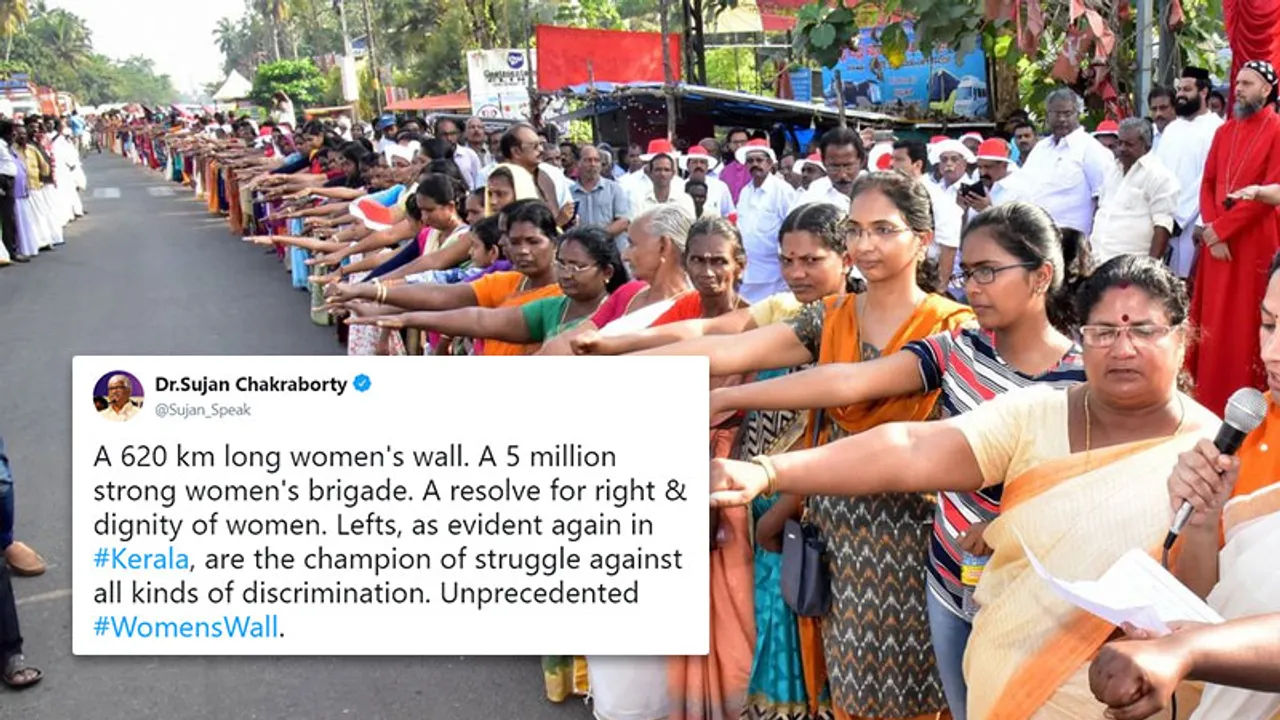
[
  {"x": 875, "y": 639},
  {"x": 715, "y": 687}
]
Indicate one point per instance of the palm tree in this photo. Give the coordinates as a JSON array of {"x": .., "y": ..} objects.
[
  {"x": 66, "y": 36},
  {"x": 13, "y": 15}
]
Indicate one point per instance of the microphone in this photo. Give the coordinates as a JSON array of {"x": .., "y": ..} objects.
[{"x": 1245, "y": 411}]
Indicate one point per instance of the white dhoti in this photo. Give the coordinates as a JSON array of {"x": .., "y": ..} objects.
[
  {"x": 1182, "y": 252},
  {"x": 46, "y": 214}
]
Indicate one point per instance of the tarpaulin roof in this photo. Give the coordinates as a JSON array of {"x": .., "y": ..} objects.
[{"x": 726, "y": 106}]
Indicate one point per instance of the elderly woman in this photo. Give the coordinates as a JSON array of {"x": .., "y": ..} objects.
[{"x": 1084, "y": 474}]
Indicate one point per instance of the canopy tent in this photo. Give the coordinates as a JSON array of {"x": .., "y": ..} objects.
[
  {"x": 433, "y": 103},
  {"x": 235, "y": 87}
]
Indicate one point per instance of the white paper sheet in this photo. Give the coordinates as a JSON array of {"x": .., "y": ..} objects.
[{"x": 1136, "y": 590}]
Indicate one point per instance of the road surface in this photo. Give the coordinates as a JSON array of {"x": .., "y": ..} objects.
[{"x": 148, "y": 271}]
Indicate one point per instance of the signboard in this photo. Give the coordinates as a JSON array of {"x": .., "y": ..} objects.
[
  {"x": 499, "y": 83},
  {"x": 924, "y": 83},
  {"x": 802, "y": 85}
]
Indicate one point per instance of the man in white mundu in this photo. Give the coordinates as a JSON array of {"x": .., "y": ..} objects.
[{"x": 1184, "y": 148}]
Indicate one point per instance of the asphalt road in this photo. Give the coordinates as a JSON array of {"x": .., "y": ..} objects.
[{"x": 148, "y": 271}]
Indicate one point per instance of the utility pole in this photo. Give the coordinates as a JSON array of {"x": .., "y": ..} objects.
[
  {"x": 350, "y": 81},
  {"x": 373, "y": 57},
  {"x": 1143, "y": 85}
]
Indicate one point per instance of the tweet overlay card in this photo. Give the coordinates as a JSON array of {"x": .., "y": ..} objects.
[{"x": 390, "y": 506}]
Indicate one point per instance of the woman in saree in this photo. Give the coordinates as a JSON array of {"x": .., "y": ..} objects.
[
  {"x": 588, "y": 268},
  {"x": 1084, "y": 473},
  {"x": 657, "y": 240},
  {"x": 711, "y": 687},
  {"x": 879, "y": 544},
  {"x": 1228, "y": 551},
  {"x": 1011, "y": 271},
  {"x": 531, "y": 237}
]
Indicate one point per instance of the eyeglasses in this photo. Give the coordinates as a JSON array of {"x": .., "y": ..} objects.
[
  {"x": 884, "y": 232},
  {"x": 1104, "y": 336},
  {"x": 572, "y": 268},
  {"x": 986, "y": 274}
]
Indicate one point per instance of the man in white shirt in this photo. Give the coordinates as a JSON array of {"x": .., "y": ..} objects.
[
  {"x": 8, "y": 201},
  {"x": 464, "y": 157},
  {"x": 912, "y": 158},
  {"x": 1135, "y": 211},
  {"x": 1161, "y": 104},
  {"x": 1189, "y": 138},
  {"x": 844, "y": 158},
  {"x": 953, "y": 159},
  {"x": 699, "y": 164},
  {"x": 120, "y": 405},
  {"x": 1066, "y": 170},
  {"x": 663, "y": 186},
  {"x": 762, "y": 206}
]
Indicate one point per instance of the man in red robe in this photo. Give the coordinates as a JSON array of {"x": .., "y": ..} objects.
[{"x": 1238, "y": 240}]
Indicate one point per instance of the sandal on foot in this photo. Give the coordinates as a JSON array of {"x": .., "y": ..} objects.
[
  {"x": 19, "y": 675},
  {"x": 24, "y": 561}
]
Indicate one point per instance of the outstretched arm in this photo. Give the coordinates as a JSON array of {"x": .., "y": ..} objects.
[
  {"x": 766, "y": 348},
  {"x": 826, "y": 386},
  {"x": 730, "y": 323},
  {"x": 897, "y": 458},
  {"x": 505, "y": 324}
]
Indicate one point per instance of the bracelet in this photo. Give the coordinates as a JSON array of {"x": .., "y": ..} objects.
[{"x": 770, "y": 471}]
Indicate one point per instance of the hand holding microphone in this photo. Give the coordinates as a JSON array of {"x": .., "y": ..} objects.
[{"x": 1204, "y": 477}]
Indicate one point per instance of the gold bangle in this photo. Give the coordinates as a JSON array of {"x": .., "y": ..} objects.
[{"x": 770, "y": 471}]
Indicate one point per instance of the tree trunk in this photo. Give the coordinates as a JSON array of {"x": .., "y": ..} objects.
[
  {"x": 1006, "y": 84},
  {"x": 8, "y": 47},
  {"x": 664, "y": 9}
]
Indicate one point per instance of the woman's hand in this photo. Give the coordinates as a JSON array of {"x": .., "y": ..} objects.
[
  {"x": 586, "y": 343},
  {"x": 1249, "y": 192},
  {"x": 736, "y": 483},
  {"x": 1205, "y": 478},
  {"x": 971, "y": 540},
  {"x": 338, "y": 293},
  {"x": 770, "y": 525}
]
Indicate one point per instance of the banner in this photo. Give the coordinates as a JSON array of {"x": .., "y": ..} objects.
[
  {"x": 573, "y": 56},
  {"x": 499, "y": 83},
  {"x": 920, "y": 86}
]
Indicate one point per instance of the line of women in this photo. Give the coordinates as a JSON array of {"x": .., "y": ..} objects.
[
  {"x": 47, "y": 181},
  {"x": 910, "y": 431}
]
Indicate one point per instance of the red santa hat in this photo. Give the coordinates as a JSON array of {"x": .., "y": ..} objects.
[
  {"x": 814, "y": 159},
  {"x": 697, "y": 152},
  {"x": 995, "y": 150},
  {"x": 1107, "y": 127}
]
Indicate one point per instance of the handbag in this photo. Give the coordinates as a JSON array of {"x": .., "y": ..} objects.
[{"x": 806, "y": 575}]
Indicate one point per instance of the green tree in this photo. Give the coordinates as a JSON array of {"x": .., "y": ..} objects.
[{"x": 299, "y": 79}]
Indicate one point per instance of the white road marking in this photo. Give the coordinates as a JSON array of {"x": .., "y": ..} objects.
[
  {"x": 160, "y": 191},
  {"x": 45, "y": 597},
  {"x": 107, "y": 193}
]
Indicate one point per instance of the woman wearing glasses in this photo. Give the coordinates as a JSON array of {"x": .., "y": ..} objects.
[
  {"x": 587, "y": 267},
  {"x": 1084, "y": 481},
  {"x": 875, "y": 638},
  {"x": 1011, "y": 270}
]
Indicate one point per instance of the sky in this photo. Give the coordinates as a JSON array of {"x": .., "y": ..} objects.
[{"x": 178, "y": 36}]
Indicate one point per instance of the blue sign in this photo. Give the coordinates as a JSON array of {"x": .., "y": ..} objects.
[
  {"x": 925, "y": 84},
  {"x": 802, "y": 85}
]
